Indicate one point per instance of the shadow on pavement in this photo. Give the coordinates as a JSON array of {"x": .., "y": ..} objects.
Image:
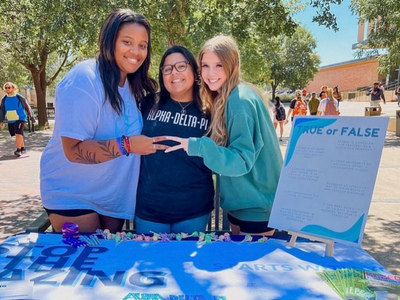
[
  {"x": 35, "y": 141},
  {"x": 391, "y": 140},
  {"x": 8, "y": 157},
  {"x": 385, "y": 251},
  {"x": 18, "y": 213}
]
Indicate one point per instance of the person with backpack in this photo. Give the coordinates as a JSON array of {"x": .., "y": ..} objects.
[
  {"x": 298, "y": 107},
  {"x": 16, "y": 109},
  {"x": 279, "y": 114},
  {"x": 328, "y": 106}
]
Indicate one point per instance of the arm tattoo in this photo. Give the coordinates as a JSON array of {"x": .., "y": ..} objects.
[
  {"x": 109, "y": 150},
  {"x": 90, "y": 157}
]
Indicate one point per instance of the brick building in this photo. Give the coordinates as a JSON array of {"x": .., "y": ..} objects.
[{"x": 349, "y": 76}]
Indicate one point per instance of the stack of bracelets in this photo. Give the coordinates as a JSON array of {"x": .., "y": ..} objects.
[{"x": 124, "y": 145}]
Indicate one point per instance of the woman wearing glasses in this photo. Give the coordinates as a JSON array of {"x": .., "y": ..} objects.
[
  {"x": 16, "y": 109},
  {"x": 175, "y": 192}
]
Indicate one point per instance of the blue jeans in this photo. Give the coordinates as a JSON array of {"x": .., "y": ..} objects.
[{"x": 198, "y": 224}]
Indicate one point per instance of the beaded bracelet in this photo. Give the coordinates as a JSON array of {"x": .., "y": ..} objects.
[
  {"x": 127, "y": 144},
  {"x": 121, "y": 146}
]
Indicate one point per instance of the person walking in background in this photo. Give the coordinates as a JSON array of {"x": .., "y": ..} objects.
[
  {"x": 313, "y": 104},
  {"x": 376, "y": 95},
  {"x": 298, "y": 107},
  {"x": 279, "y": 115},
  {"x": 328, "y": 106},
  {"x": 322, "y": 95},
  {"x": 337, "y": 94},
  {"x": 381, "y": 86},
  {"x": 89, "y": 170},
  {"x": 16, "y": 110},
  {"x": 241, "y": 145},
  {"x": 304, "y": 93},
  {"x": 397, "y": 92},
  {"x": 175, "y": 191},
  {"x": 323, "y": 90}
]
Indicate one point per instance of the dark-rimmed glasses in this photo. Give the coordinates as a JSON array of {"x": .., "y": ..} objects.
[
  {"x": 8, "y": 87},
  {"x": 180, "y": 66}
]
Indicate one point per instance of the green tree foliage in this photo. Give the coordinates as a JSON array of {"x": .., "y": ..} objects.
[
  {"x": 32, "y": 30},
  {"x": 13, "y": 71},
  {"x": 48, "y": 36},
  {"x": 324, "y": 15},
  {"x": 384, "y": 16},
  {"x": 294, "y": 61}
]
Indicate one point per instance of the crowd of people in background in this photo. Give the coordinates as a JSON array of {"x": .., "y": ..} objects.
[{"x": 324, "y": 103}]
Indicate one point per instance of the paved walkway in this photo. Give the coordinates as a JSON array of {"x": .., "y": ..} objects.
[{"x": 20, "y": 200}]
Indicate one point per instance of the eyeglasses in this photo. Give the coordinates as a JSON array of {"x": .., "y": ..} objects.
[
  {"x": 8, "y": 87},
  {"x": 180, "y": 66}
]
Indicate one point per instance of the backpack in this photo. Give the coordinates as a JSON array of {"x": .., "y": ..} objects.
[
  {"x": 19, "y": 97},
  {"x": 280, "y": 113},
  {"x": 330, "y": 108},
  {"x": 18, "y": 114},
  {"x": 300, "y": 108}
]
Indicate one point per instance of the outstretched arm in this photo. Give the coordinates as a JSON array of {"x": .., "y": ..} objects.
[
  {"x": 235, "y": 159},
  {"x": 96, "y": 151}
]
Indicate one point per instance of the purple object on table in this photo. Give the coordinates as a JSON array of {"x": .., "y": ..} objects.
[{"x": 70, "y": 234}]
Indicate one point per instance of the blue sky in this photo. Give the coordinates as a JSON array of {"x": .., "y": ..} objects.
[{"x": 333, "y": 47}]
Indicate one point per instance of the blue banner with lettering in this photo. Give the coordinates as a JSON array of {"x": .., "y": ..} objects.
[{"x": 40, "y": 266}]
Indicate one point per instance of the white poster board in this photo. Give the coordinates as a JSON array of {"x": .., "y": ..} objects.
[{"x": 328, "y": 176}]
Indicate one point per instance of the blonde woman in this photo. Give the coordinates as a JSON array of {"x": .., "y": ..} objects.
[
  {"x": 242, "y": 146},
  {"x": 328, "y": 106}
]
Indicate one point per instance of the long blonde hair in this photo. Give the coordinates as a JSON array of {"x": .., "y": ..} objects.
[
  {"x": 227, "y": 51},
  {"x": 329, "y": 93}
]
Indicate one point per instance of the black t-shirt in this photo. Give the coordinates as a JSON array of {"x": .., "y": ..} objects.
[{"x": 174, "y": 187}]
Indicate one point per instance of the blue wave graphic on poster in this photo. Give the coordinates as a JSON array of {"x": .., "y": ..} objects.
[
  {"x": 350, "y": 235},
  {"x": 310, "y": 122}
]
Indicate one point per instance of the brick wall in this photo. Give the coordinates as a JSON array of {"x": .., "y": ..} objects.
[{"x": 349, "y": 76}]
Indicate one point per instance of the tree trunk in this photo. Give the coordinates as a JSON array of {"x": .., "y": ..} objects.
[
  {"x": 41, "y": 99},
  {"x": 273, "y": 86}
]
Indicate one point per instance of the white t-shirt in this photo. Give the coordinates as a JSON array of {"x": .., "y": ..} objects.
[
  {"x": 322, "y": 105},
  {"x": 108, "y": 188}
]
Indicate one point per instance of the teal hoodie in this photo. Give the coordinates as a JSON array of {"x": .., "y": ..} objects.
[{"x": 249, "y": 166}]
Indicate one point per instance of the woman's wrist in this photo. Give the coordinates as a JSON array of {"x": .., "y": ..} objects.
[
  {"x": 123, "y": 146},
  {"x": 127, "y": 144}
]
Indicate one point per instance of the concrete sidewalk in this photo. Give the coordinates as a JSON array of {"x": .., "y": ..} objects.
[{"x": 20, "y": 198}]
